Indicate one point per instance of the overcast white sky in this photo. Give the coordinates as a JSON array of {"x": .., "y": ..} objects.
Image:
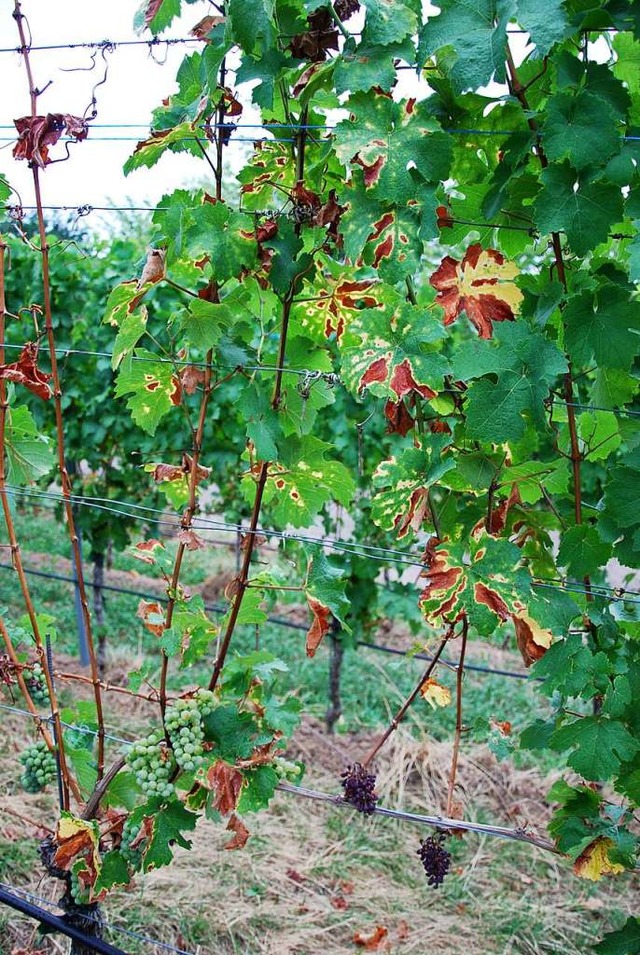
[{"x": 135, "y": 85}]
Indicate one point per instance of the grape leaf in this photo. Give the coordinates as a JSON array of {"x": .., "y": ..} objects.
[
  {"x": 525, "y": 365},
  {"x": 546, "y": 22},
  {"x": 386, "y": 138},
  {"x": 402, "y": 505},
  {"x": 181, "y": 138},
  {"x": 152, "y": 386},
  {"x": 583, "y": 209},
  {"x": 602, "y": 326},
  {"x": 486, "y": 581},
  {"x": 169, "y": 822},
  {"x": 481, "y": 286},
  {"x": 386, "y": 352},
  {"x": 389, "y": 21},
  {"x": 582, "y": 551},
  {"x": 626, "y": 941},
  {"x": 113, "y": 872},
  {"x": 29, "y": 453},
  {"x": 599, "y": 745},
  {"x": 581, "y": 128},
  {"x": 326, "y": 584},
  {"x": 472, "y": 36}
]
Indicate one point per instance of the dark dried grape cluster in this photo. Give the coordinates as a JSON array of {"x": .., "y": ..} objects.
[
  {"x": 359, "y": 789},
  {"x": 435, "y": 858},
  {"x": 39, "y": 767},
  {"x": 37, "y": 685}
]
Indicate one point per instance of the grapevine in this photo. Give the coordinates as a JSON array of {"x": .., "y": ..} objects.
[{"x": 417, "y": 308}]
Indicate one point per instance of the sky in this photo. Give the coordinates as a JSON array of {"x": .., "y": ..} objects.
[{"x": 136, "y": 83}]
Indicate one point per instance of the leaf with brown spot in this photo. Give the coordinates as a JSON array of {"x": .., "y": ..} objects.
[
  {"x": 435, "y": 694},
  {"x": 399, "y": 418},
  {"x": 76, "y": 838},
  {"x": 152, "y": 616},
  {"x": 240, "y": 833},
  {"x": 226, "y": 782},
  {"x": 190, "y": 378},
  {"x": 480, "y": 285},
  {"x": 146, "y": 550},
  {"x": 400, "y": 502},
  {"x": 394, "y": 352},
  {"x": 594, "y": 862},
  {"x": 25, "y": 372},
  {"x": 37, "y": 133},
  {"x": 483, "y": 578},
  {"x": 203, "y": 27},
  {"x": 533, "y": 640},
  {"x": 339, "y": 294},
  {"x": 153, "y": 270},
  {"x": 373, "y": 941}
]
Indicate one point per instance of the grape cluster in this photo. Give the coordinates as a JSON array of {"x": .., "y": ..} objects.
[
  {"x": 153, "y": 765},
  {"x": 130, "y": 833},
  {"x": 39, "y": 767},
  {"x": 359, "y": 789},
  {"x": 435, "y": 858},
  {"x": 286, "y": 769},
  {"x": 184, "y": 728},
  {"x": 79, "y": 892},
  {"x": 37, "y": 685}
]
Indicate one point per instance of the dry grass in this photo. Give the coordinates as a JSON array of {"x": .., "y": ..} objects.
[{"x": 312, "y": 876}]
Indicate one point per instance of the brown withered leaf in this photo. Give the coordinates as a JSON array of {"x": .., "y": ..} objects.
[
  {"x": 145, "y": 550},
  {"x": 37, "y": 133},
  {"x": 226, "y": 781},
  {"x": 480, "y": 285},
  {"x": 346, "y": 8},
  {"x": 373, "y": 941},
  {"x": 152, "y": 616},
  {"x": 205, "y": 26},
  {"x": 321, "y": 37},
  {"x": 399, "y": 419},
  {"x": 240, "y": 833},
  {"x": 168, "y": 472},
  {"x": 151, "y": 9},
  {"x": 320, "y": 625},
  {"x": 76, "y": 838},
  {"x": 533, "y": 640},
  {"x": 190, "y": 539},
  {"x": 25, "y": 372},
  {"x": 190, "y": 377},
  {"x": 499, "y": 515}
]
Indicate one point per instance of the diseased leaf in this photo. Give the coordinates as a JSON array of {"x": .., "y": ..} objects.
[
  {"x": 152, "y": 385},
  {"x": 481, "y": 286},
  {"x": 594, "y": 862},
  {"x": 402, "y": 504},
  {"x": 435, "y": 694},
  {"x": 25, "y": 372},
  {"x": 226, "y": 783},
  {"x": 240, "y": 833},
  {"x": 37, "y": 133}
]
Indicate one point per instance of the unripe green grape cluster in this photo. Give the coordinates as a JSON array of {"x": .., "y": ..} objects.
[
  {"x": 37, "y": 685},
  {"x": 130, "y": 833},
  {"x": 79, "y": 893},
  {"x": 153, "y": 765},
  {"x": 39, "y": 767},
  {"x": 286, "y": 769},
  {"x": 184, "y": 728}
]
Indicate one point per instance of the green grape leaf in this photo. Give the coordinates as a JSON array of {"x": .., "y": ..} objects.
[
  {"x": 233, "y": 733},
  {"x": 471, "y": 37},
  {"x": 584, "y": 210},
  {"x": 626, "y": 941},
  {"x": 361, "y": 67},
  {"x": 258, "y": 790},
  {"x": 168, "y": 824},
  {"x": 302, "y": 482},
  {"x": 545, "y": 21},
  {"x": 581, "y": 128},
  {"x": 582, "y": 551},
  {"x": 385, "y": 352},
  {"x": 224, "y": 238},
  {"x": 29, "y": 452},
  {"x": 525, "y": 365},
  {"x": 181, "y": 138},
  {"x": 252, "y": 24},
  {"x": 385, "y": 137},
  {"x": 402, "y": 506},
  {"x": 152, "y": 385},
  {"x": 113, "y": 872},
  {"x": 156, "y": 15},
  {"x": 389, "y": 21},
  {"x": 599, "y": 745},
  {"x": 603, "y": 326},
  {"x": 326, "y": 584}
]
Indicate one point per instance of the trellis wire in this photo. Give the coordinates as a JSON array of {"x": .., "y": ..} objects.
[
  {"x": 90, "y": 918},
  {"x": 76, "y": 727},
  {"x": 383, "y": 554}
]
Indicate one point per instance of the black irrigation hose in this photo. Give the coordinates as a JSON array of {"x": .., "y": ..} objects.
[{"x": 57, "y": 923}]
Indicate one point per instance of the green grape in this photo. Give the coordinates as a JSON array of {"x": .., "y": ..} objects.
[
  {"x": 37, "y": 685},
  {"x": 153, "y": 765},
  {"x": 286, "y": 769},
  {"x": 39, "y": 767},
  {"x": 183, "y": 721},
  {"x": 130, "y": 833},
  {"x": 79, "y": 893}
]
